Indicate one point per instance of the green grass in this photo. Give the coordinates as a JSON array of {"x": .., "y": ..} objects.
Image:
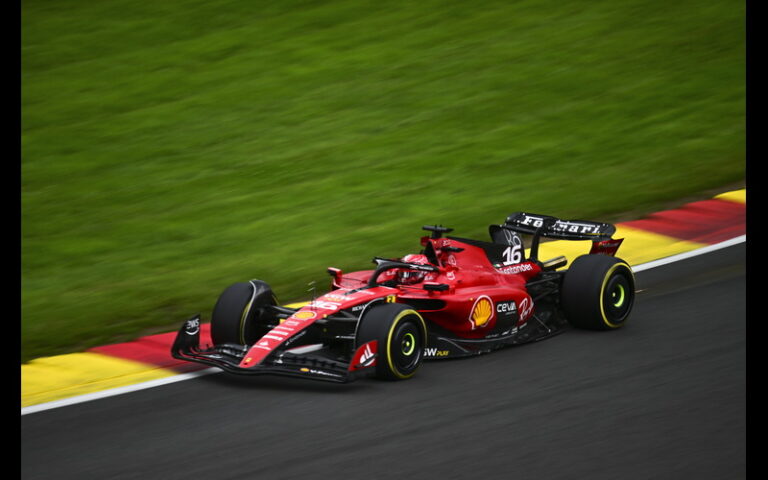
[{"x": 171, "y": 148}]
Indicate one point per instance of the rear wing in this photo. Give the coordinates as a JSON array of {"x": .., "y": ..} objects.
[
  {"x": 555, "y": 228},
  {"x": 547, "y": 226}
]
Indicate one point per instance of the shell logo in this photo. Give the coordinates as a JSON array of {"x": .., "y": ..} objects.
[
  {"x": 334, "y": 298},
  {"x": 482, "y": 312},
  {"x": 304, "y": 315}
]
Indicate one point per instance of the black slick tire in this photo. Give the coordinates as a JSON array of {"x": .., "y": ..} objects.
[
  {"x": 401, "y": 335},
  {"x": 238, "y": 316},
  {"x": 598, "y": 292}
]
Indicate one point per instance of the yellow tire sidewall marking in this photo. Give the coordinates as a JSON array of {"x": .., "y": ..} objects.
[
  {"x": 602, "y": 291},
  {"x": 399, "y": 317},
  {"x": 242, "y": 320}
]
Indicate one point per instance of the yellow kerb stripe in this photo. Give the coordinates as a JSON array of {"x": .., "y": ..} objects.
[
  {"x": 739, "y": 196},
  {"x": 63, "y": 376},
  {"x": 639, "y": 246}
]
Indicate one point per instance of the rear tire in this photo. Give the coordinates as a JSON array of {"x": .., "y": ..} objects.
[
  {"x": 598, "y": 292},
  {"x": 239, "y": 315},
  {"x": 401, "y": 336}
]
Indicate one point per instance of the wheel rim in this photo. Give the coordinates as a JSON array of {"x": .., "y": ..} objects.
[
  {"x": 405, "y": 348},
  {"x": 408, "y": 345},
  {"x": 617, "y": 299},
  {"x": 617, "y": 295}
]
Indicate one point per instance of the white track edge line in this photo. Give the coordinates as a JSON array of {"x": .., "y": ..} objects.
[
  {"x": 116, "y": 391},
  {"x": 690, "y": 254},
  {"x": 188, "y": 376}
]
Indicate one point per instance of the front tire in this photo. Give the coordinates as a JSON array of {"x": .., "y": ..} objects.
[
  {"x": 401, "y": 335},
  {"x": 598, "y": 292},
  {"x": 239, "y": 315}
]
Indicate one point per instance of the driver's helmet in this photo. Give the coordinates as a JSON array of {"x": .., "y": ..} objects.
[{"x": 409, "y": 277}]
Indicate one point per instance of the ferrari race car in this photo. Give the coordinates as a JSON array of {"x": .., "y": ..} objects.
[{"x": 458, "y": 297}]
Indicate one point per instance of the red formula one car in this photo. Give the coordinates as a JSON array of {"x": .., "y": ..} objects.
[{"x": 457, "y": 297}]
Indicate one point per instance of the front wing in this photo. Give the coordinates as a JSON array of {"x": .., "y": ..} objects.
[{"x": 228, "y": 357}]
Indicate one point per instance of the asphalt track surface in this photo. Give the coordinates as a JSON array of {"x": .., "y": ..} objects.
[{"x": 664, "y": 397}]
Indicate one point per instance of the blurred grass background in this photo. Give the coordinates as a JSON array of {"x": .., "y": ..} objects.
[{"x": 172, "y": 148}]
